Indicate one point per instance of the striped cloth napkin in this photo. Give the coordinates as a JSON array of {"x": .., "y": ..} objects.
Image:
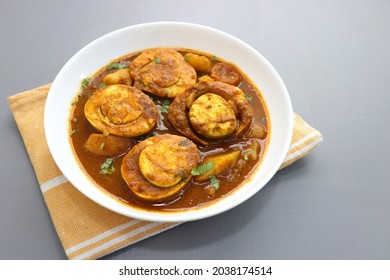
[{"x": 87, "y": 230}]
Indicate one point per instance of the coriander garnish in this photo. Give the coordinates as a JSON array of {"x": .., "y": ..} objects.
[
  {"x": 73, "y": 131},
  {"x": 164, "y": 106},
  {"x": 102, "y": 85},
  {"x": 249, "y": 98},
  {"x": 199, "y": 170},
  {"x": 214, "y": 182},
  {"x": 116, "y": 65},
  {"x": 214, "y": 58},
  {"x": 75, "y": 100},
  {"x": 107, "y": 167},
  {"x": 157, "y": 60},
  {"x": 85, "y": 83}
]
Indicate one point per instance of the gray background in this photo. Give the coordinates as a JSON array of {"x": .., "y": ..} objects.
[{"x": 334, "y": 57}]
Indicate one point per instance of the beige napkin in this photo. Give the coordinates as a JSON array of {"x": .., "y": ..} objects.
[{"x": 87, "y": 230}]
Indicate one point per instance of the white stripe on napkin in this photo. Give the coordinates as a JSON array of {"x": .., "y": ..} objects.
[
  {"x": 303, "y": 150},
  {"x": 101, "y": 236},
  {"x": 52, "y": 183},
  {"x": 124, "y": 237}
]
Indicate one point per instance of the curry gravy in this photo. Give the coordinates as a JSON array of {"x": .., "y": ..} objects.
[{"x": 193, "y": 194}]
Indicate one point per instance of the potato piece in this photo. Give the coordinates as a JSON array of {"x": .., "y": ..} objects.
[
  {"x": 199, "y": 62},
  {"x": 108, "y": 145},
  {"x": 121, "y": 76},
  {"x": 221, "y": 164}
]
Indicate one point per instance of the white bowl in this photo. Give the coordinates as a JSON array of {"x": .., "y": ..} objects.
[{"x": 169, "y": 34}]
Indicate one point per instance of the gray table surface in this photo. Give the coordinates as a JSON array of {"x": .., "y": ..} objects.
[{"x": 334, "y": 57}]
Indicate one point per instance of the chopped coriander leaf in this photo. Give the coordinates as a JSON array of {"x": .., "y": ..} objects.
[
  {"x": 73, "y": 131},
  {"x": 186, "y": 57},
  {"x": 107, "y": 167},
  {"x": 249, "y": 98},
  {"x": 75, "y": 100},
  {"x": 263, "y": 118},
  {"x": 116, "y": 65},
  {"x": 214, "y": 182},
  {"x": 165, "y": 105},
  {"x": 85, "y": 83},
  {"x": 214, "y": 58},
  {"x": 202, "y": 169},
  {"x": 157, "y": 60},
  {"x": 102, "y": 85}
]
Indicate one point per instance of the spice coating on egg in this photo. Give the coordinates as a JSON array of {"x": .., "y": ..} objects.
[
  {"x": 212, "y": 116},
  {"x": 121, "y": 110},
  {"x": 160, "y": 166},
  {"x": 162, "y": 72}
]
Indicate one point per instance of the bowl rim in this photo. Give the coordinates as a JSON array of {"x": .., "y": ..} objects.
[{"x": 193, "y": 214}]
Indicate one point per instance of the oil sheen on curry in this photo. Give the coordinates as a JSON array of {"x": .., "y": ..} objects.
[{"x": 169, "y": 129}]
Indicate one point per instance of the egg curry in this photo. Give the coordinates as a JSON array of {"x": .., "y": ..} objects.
[{"x": 169, "y": 129}]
